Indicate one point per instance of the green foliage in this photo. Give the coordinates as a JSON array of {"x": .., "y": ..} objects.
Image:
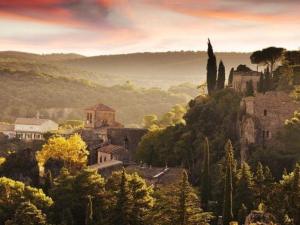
[
  {"x": 22, "y": 166},
  {"x": 244, "y": 188},
  {"x": 14, "y": 193},
  {"x": 171, "y": 118},
  {"x": 178, "y": 204},
  {"x": 211, "y": 69},
  {"x": 28, "y": 214}
]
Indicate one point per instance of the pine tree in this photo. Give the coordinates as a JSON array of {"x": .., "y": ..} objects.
[
  {"x": 89, "y": 211},
  {"x": 228, "y": 189},
  {"x": 206, "y": 182},
  {"x": 141, "y": 201},
  {"x": 259, "y": 180},
  {"x": 244, "y": 190},
  {"x": 188, "y": 210},
  {"x": 230, "y": 78},
  {"x": 221, "y": 76},
  {"x": 211, "y": 69},
  {"x": 28, "y": 214},
  {"x": 121, "y": 214}
]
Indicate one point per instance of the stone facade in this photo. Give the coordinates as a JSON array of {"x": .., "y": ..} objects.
[
  {"x": 99, "y": 116},
  {"x": 240, "y": 79},
  {"x": 263, "y": 116}
]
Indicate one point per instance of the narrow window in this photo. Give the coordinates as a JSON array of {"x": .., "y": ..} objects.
[
  {"x": 105, "y": 159},
  {"x": 265, "y": 112},
  {"x": 100, "y": 159}
]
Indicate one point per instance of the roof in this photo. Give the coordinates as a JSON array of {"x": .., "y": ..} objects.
[
  {"x": 100, "y": 107},
  {"x": 106, "y": 164},
  {"x": 113, "y": 149},
  {"x": 7, "y": 127},
  {"x": 31, "y": 121}
]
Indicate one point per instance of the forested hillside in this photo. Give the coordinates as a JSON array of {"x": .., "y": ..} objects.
[{"x": 24, "y": 93}]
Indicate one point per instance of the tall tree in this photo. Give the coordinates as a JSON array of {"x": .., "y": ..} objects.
[
  {"x": 256, "y": 58},
  {"x": 206, "y": 182},
  {"x": 89, "y": 211},
  {"x": 48, "y": 182},
  {"x": 121, "y": 211},
  {"x": 230, "y": 78},
  {"x": 259, "y": 183},
  {"x": 244, "y": 189},
  {"x": 228, "y": 189},
  {"x": 188, "y": 210},
  {"x": 221, "y": 76},
  {"x": 211, "y": 69}
]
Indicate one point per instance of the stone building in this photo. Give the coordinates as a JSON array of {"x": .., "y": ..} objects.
[
  {"x": 99, "y": 116},
  {"x": 240, "y": 79},
  {"x": 102, "y": 130},
  {"x": 263, "y": 116}
]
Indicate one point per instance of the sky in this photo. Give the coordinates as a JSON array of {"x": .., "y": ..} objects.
[{"x": 95, "y": 27}]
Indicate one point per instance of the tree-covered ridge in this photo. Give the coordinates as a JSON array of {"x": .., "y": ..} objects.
[{"x": 24, "y": 93}]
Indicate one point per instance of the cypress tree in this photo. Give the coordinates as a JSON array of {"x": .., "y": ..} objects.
[
  {"x": 230, "y": 78},
  {"x": 89, "y": 211},
  {"x": 206, "y": 182},
  {"x": 268, "y": 80},
  {"x": 211, "y": 69},
  {"x": 221, "y": 76},
  {"x": 242, "y": 214},
  {"x": 228, "y": 189}
]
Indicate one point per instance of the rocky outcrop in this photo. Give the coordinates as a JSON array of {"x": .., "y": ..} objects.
[{"x": 260, "y": 218}]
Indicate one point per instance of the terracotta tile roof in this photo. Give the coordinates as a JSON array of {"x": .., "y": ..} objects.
[
  {"x": 113, "y": 149},
  {"x": 30, "y": 121},
  {"x": 100, "y": 107},
  {"x": 7, "y": 127}
]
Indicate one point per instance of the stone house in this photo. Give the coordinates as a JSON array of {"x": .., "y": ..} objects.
[
  {"x": 263, "y": 116},
  {"x": 99, "y": 116},
  {"x": 111, "y": 152},
  {"x": 240, "y": 79},
  {"x": 29, "y": 129}
]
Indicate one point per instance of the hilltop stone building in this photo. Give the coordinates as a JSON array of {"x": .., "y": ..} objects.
[
  {"x": 262, "y": 117},
  {"x": 109, "y": 142},
  {"x": 240, "y": 79}
]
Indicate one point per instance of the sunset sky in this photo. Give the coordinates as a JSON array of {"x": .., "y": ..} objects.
[{"x": 93, "y": 27}]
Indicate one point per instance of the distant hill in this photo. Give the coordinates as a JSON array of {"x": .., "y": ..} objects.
[
  {"x": 157, "y": 69},
  {"x": 145, "y": 69},
  {"x": 23, "y": 94}
]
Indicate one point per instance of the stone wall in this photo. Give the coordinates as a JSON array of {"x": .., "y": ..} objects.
[
  {"x": 264, "y": 115},
  {"x": 240, "y": 80}
]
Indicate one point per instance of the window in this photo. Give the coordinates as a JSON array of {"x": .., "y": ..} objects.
[
  {"x": 265, "y": 112},
  {"x": 267, "y": 134},
  {"x": 100, "y": 159},
  {"x": 105, "y": 159}
]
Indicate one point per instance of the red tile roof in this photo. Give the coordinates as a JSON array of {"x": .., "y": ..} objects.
[{"x": 100, "y": 107}]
